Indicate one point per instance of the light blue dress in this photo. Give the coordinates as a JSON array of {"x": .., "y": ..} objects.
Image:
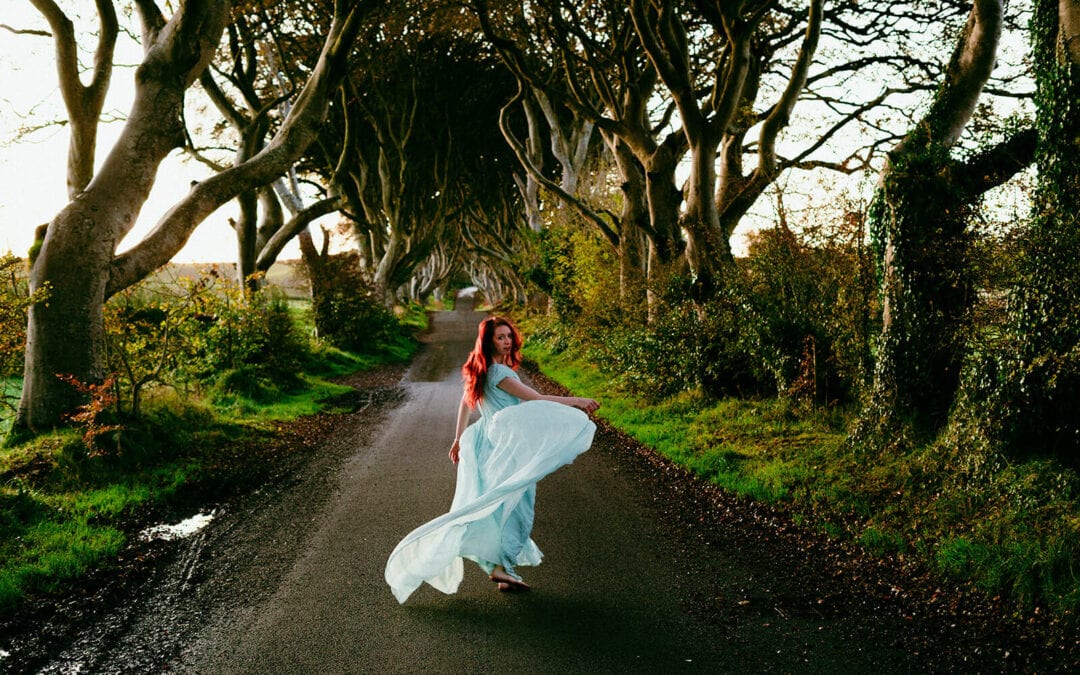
[{"x": 503, "y": 455}]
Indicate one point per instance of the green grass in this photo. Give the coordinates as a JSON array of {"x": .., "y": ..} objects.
[
  {"x": 62, "y": 511},
  {"x": 65, "y": 510},
  {"x": 756, "y": 448},
  {"x": 1009, "y": 528},
  {"x": 49, "y": 553}
]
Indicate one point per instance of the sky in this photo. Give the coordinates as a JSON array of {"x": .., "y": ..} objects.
[{"x": 32, "y": 170}]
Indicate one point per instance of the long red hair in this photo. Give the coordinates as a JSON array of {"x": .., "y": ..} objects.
[{"x": 474, "y": 372}]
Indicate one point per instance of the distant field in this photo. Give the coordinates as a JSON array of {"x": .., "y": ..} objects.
[{"x": 284, "y": 275}]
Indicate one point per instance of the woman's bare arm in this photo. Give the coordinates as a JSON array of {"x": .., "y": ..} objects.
[
  {"x": 523, "y": 391},
  {"x": 462, "y": 423}
]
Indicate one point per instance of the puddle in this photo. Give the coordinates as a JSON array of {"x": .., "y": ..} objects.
[{"x": 185, "y": 528}]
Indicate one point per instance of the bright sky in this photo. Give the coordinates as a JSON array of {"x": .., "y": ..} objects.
[{"x": 32, "y": 171}]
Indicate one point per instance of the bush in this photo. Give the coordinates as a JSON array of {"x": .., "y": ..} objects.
[
  {"x": 347, "y": 313},
  {"x": 814, "y": 310},
  {"x": 191, "y": 336},
  {"x": 15, "y": 299},
  {"x": 579, "y": 272},
  {"x": 685, "y": 347}
]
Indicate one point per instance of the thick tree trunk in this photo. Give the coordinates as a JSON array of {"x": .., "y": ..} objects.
[
  {"x": 664, "y": 201},
  {"x": 77, "y": 261},
  {"x": 527, "y": 184},
  {"x": 65, "y": 334},
  {"x": 927, "y": 293},
  {"x": 919, "y": 225}
]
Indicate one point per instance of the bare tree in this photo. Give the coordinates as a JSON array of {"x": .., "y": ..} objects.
[
  {"x": 251, "y": 65},
  {"x": 78, "y": 259},
  {"x": 83, "y": 102}
]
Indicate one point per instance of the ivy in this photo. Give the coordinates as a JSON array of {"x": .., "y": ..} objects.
[{"x": 1039, "y": 395}]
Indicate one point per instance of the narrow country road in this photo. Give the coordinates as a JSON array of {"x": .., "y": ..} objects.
[
  {"x": 604, "y": 599},
  {"x": 289, "y": 579}
]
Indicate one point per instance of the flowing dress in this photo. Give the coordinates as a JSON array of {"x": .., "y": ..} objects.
[{"x": 503, "y": 455}]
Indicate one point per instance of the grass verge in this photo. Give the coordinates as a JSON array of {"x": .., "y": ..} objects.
[
  {"x": 66, "y": 509},
  {"x": 1010, "y": 529}
]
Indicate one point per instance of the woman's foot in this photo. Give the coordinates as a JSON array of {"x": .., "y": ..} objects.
[{"x": 507, "y": 583}]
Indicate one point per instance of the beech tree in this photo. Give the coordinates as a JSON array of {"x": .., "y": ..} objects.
[
  {"x": 706, "y": 122},
  {"x": 727, "y": 69},
  {"x": 254, "y": 97},
  {"x": 82, "y": 102},
  {"x": 414, "y": 148},
  {"x": 78, "y": 260},
  {"x": 588, "y": 61},
  {"x": 919, "y": 222}
]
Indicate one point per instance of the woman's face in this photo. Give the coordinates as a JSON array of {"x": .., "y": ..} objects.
[{"x": 503, "y": 342}]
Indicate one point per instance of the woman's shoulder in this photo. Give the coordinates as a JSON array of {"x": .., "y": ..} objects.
[{"x": 498, "y": 372}]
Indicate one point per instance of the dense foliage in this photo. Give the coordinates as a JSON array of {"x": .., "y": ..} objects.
[
  {"x": 204, "y": 332},
  {"x": 795, "y": 317},
  {"x": 1039, "y": 370},
  {"x": 15, "y": 298},
  {"x": 347, "y": 312}
]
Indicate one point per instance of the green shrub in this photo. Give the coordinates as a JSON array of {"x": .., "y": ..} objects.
[
  {"x": 190, "y": 333},
  {"x": 15, "y": 299},
  {"x": 347, "y": 312},
  {"x": 813, "y": 312}
]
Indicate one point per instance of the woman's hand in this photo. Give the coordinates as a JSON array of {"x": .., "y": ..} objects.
[
  {"x": 587, "y": 404},
  {"x": 455, "y": 451}
]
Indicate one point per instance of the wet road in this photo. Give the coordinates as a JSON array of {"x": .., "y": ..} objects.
[{"x": 603, "y": 601}]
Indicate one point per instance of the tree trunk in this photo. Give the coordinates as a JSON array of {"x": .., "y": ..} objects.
[
  {"x": 77, "y": 261},
  {"x": 707, "y": 249},
  {"x": 527, "y": 184},
  {"x": 926, "y": 289},
  {"x": 919, "y": 225},
  {"x": 65, "y": 335},
  {"x": 633, "y": 223}
]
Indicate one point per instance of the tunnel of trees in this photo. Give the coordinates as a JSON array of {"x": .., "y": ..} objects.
[{"x": 598, "y": 159}]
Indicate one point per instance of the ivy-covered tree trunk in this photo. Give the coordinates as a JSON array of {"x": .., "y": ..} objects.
[
  {"x": 1042, "y": 373},
  {"x": 918, "y": 223}
]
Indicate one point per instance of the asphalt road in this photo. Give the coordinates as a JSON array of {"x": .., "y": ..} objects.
[
  {"x": 290, "y": 579},
  {"x": 611, "y": 595},
  {"x": 603, "y": 600}
]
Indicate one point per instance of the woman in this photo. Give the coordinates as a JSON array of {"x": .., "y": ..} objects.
[{"x": 521, "y": 437}]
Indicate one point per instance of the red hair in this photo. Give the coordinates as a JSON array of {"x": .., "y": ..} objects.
[{"x": 474, "y": 372}]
